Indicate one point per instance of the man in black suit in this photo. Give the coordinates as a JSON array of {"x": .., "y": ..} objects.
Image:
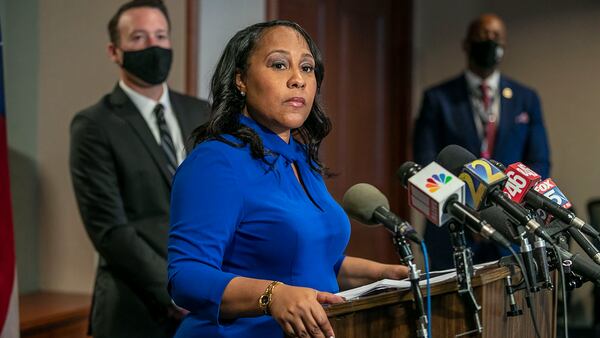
[{"x": 124, "y": 151}]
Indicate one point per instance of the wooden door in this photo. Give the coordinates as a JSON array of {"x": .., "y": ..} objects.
[{"x": 366, "y": 48}]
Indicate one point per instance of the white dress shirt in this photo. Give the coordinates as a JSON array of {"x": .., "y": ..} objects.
[{"x": 146, "y": 107}]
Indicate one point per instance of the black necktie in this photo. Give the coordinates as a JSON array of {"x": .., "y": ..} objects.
[{"x": 166, "y": 142}]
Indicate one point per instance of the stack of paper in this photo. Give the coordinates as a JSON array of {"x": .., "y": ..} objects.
[{"x": 435, "y": 277}]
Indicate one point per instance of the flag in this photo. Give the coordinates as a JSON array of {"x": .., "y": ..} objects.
[{"x": 9, "y": 319}]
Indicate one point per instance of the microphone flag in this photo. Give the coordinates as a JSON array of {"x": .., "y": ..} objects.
[{"x": 430, "y": 188}]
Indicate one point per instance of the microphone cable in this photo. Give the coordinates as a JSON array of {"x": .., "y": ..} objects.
[
  {"x": 426, "y": 258},
  {"x": 528, "y": 294},
  {"x": 563, "y": 288}
]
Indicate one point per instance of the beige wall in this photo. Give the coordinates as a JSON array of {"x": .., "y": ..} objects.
[
  {"x": 74, "y": 72},
  {"x": 553, "y": 46},
  {"x": 20, "y": 53}
]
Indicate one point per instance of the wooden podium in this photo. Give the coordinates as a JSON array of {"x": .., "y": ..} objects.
[{"x": 390, "y": 314}]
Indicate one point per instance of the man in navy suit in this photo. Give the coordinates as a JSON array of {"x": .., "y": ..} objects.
[{"x": 485, "y": 112}]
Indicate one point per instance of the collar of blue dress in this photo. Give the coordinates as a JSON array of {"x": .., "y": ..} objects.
[{"x": 292, "y": 151}]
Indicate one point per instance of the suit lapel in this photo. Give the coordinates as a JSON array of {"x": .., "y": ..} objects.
[
  {"x": 184, "y": 123},
  {"x": 129, "y": 112},
  {"x": 507, "y": 115},
  {"x": 466, "y": 117}
]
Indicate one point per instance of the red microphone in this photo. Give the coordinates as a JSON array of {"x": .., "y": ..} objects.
[
  {"x": 520, "y": 180},
  {"x": 546, "y": 196}
]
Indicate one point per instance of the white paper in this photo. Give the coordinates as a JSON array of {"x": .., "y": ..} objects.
[{"x": 436, "y": 277}]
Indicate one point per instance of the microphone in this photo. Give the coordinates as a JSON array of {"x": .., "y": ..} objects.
[
  {"x": 429, "y": 189},
  {"x": 582, "y": 265},
  {"x": 484, "y": 185},
  {"x": 533, "y": 265},
  {"x": 545, "y": 195},
  {"x": 550, "y": 200},
  {"x": 559, "y": 208},
  {"x": 437, "y": 194},
  {"x": 541, "y": 260},
  {"x": 524, "y": 185},
  {"x": 520, "y": 180},
  {"x": 502, "y": 222},
  {"x": 580, "y": 238},
  {"x": 585, "y": 244},
  {"x": 366, "y": 204}
]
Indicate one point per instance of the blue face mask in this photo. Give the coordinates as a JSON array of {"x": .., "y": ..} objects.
[
  {"x": 485, "y": 54},
  {"x": 150, "y": 65}
]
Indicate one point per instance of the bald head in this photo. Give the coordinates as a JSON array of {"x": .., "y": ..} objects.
[
  {"x": 484, "y": 44},
  {"x": 487, "y": 27}
]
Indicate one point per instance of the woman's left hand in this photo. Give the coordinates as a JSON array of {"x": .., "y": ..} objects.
[
  {"x": 359, "y": 271},
  {"x": 394, "y": 271}
]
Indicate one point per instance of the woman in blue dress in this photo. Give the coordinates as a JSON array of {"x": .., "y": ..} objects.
[{"x": 256, "y": 244}]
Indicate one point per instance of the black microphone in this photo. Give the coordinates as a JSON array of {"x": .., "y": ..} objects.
[
  {"x": 511, "y": 228},
  {"x": 502, "y": 222},
  {"x": 451, "y": 205},
  {"x": 581, "y": 239},
  {"x": 585, "y": 244},
  {"x": 541, "y": 259},
  {"x": 561, "y": 213},
  {"x": 368, "y": 205},
  {"x": 582, "y": 265},
  {"x": 484, "y": 182},
  {"x": 521, "y": 178}
]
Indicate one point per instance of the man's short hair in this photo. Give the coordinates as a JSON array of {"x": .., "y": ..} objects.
[{"x": 113, "y": 29}]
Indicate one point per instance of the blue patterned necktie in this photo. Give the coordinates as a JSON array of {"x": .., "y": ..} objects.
[{"x": 166, "y": 142}]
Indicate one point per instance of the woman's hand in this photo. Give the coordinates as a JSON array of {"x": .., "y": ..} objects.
[
  {"x": 394, "y": 271},
  {"x": 356, "y": 272},
  {"x": 299, "y": 312}
]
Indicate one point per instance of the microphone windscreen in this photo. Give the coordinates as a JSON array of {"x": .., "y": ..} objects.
[
  {"x": 406, "y": 171},
  {"x": 454, "y": 157},
  {"x": 500, "y": 221},
  {"x": 361, "y": 200}
]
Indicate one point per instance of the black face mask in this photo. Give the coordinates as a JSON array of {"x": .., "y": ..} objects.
[
  {"x": 486, "y": 54},
  {"x": 151, "y": 65}
]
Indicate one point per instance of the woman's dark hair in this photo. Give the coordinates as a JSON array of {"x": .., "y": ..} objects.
[{"x": 228, "y": 102}]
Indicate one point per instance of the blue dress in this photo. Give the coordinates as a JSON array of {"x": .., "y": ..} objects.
[{"x": 232, "y": 215}]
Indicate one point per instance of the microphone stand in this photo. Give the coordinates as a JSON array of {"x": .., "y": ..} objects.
[
  {"x": 541, "y": 259},
  {"x": 530, "y": 270},
  {"x": 572, "y": 280},
  {"x": 463, "y": 261},
  {"x": 527, "y": 257},
  {"x": 406, "y": 256}
]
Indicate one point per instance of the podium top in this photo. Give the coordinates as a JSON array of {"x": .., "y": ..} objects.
[{"x": 482, "y": 276}]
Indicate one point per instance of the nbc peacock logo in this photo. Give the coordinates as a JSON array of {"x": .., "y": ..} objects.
[{"x": 435, "y": 182}]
